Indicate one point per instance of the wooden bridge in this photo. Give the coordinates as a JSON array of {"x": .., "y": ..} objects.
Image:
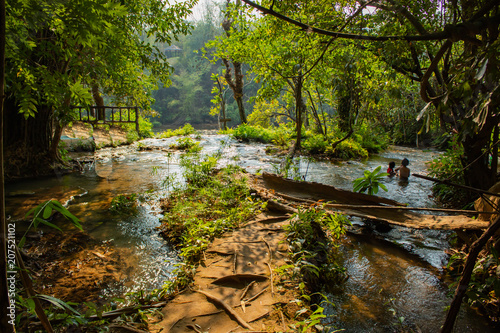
[{"x": 102, "y": 115}]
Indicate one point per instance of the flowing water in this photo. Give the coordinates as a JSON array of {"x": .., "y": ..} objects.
[{"x": 392, "y": 273}]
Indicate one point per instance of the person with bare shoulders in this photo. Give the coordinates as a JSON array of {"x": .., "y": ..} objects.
[{"x": 403, "y": 171}]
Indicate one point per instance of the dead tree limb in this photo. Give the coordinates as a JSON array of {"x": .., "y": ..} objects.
[{"x": 476, "y": 247}]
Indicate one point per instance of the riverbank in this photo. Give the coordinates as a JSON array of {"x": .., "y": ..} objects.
[{"x": 135, "y": 171}]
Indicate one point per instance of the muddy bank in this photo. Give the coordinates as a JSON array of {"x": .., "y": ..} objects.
[{"x": 75, "y": 267}]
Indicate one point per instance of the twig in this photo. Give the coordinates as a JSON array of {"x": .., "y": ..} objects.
[
  {"x": 271, "y": 278},
  {"x": 457, "y": 185},
  {"x": 244, "y": 293},
  {"x": 235, "y": 260},
  {"x": 255, "y": 296},
  {"x": 226, "y": 307},
  {"x": 270, "y": 252},
  {"x": 282, "y": 320},
  {"x": 194, "y": 328}
]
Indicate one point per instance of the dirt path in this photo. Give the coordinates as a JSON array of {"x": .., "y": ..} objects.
[
  {"x": 235, "y": 287},
  {"x": 80, "y": 132}
]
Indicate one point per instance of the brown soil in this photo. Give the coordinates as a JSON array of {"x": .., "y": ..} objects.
[
  {"x": 74, "y": 267},
  {"x": 236, "y": 287},
  {"x": 114, "y": 137}
]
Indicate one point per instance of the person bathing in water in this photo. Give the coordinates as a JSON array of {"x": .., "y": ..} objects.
[
  {"x": 390, "y": 169},
  {"x": 403, "y": 171}
]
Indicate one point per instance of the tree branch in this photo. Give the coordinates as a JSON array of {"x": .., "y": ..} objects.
[{"x": 454, "y": 32}]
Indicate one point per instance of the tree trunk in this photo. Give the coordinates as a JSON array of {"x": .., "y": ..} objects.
[
  {"x": 99, "y": 101},
  {"x": 344, "y": 109},
  {"x": 478, "y": 173},
  {"x": 5, "y": 326},
  {"x": 299, "y": 110},
  {"x": 319, "y": 126},
  {"x": 28, "y": 141},
  {"x": 236, "y": 86}
]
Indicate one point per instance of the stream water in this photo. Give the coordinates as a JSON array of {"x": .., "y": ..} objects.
[{"x": 392, "y": 273}]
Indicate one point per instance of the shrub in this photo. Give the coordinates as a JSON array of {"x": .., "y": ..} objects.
[
  {"x": 370, "y": 181},
  {"x": 348, "y": 149},
  {"x": 247, "y": 133},
  {"x": 187, "y": 129},
  {"x": 448, "y": 166},
  {"x": 315, "y": 144}
]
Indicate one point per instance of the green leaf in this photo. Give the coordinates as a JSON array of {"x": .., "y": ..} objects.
[
  {"x": 47, "y": 212},
  {"x": 58, "y": 303},
  {"x": 47, "y": 223},
  {"x": 21, "y": 242}
]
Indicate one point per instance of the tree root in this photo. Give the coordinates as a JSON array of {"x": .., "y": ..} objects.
[{"x": 228, "y": 309}]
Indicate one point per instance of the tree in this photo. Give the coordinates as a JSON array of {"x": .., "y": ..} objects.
[
  {"x": 234, "y": 76},
  {"x": 5, "y": 326},
  {"x": 57, "y": 50},
  {"x": 435, "y": 44}
]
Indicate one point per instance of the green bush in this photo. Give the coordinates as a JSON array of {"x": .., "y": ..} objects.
[
  {"x": 448, "y": 166},
  {"x": 145, "y": 129},
  {"x": 315, "y": 144},
  {"x": 187, "y": 129},
  {"x": 187, "y": 144},
  {"x": 253, "y": 133},
  {"x": 371, "y": 138},
  {"x": 348, "y": 149}
]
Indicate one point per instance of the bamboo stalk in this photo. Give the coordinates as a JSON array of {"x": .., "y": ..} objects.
[{"x": 445, "y": 210}]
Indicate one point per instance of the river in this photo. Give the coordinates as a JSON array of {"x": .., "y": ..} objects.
[{"x": 392, "y": 273}]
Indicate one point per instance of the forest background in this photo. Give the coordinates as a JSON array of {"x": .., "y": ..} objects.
[
  {"x": 389, "y": 102},
  {"x": 367, "y": 73}
]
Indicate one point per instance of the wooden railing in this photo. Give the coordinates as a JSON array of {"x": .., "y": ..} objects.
[{"x": 109, "y": 115}]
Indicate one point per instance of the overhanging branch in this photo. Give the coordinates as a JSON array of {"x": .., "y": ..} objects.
[{"x": 454, "y": 32}]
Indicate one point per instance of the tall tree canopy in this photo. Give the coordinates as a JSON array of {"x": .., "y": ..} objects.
[
  {"x": 450, "y": 48},
  {"x": 57, "y": 50}
]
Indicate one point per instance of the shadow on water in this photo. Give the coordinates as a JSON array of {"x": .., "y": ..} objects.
[{"x": 393, "y": 273}]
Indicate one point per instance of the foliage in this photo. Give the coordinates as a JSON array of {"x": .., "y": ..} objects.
[
  {"x": 247, "y": 133},
  {"x": 43, "y": 213},
  {"x": 311, "y": 251},
  {"x": 266, "y": 114},
  {"x": 124, "y": 203},
  {"x": 484, "y": 287},
  {"x": 448, "y": 166},
  {"x": 186, "y": 144},
  {"x": 145, "y": 129},
  {"x": 59, "y": 50},
  {"x": 371, "y": 138},
  {"x": 211, "y": 204},
  {"x": 316, "y": 144},
  {"x": 370, "y": 181},
  {"x": 347, "y": 149},
  {"x": 187, "y": 129},
  {"x": 289, "y": 168}
]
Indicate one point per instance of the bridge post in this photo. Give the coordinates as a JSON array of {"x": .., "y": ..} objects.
[{"x": 137, "y": 119}]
